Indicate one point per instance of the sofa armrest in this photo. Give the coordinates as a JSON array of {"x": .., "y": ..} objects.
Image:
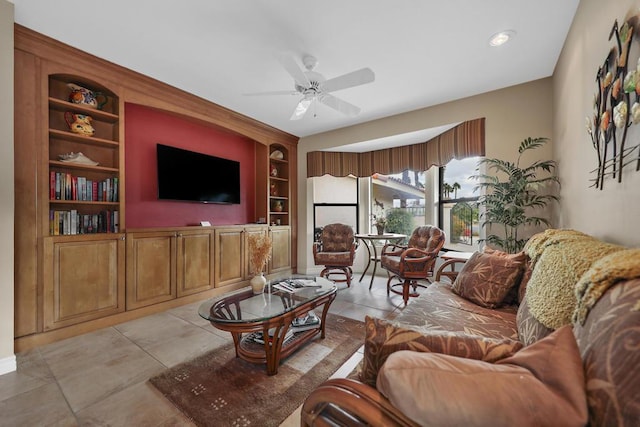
[
  {"x": 384, "y": 338},
  {"x": 343, "y": 401},
  {"x": 452, "y": 274}
]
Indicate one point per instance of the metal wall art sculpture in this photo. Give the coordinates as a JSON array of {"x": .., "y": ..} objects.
[{"x": 616, "y": 106}]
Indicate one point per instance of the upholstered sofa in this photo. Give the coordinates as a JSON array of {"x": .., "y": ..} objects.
[{"x": 550, "y": 336}]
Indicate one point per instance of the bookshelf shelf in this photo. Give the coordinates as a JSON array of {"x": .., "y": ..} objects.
[
  {"x": 70, "y": 165},
  {"x": 80, "y": 192},
  {"x": 88, "y": 140},
  {"x": 61, "y": 105},
  {"x": 279, "y": 188},
  {"x": 82, "y": 202}
]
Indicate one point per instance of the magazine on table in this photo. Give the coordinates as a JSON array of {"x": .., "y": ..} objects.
[
  {"x": 305, "y": 322},
  {"x": 301, "y": 323},
  {"x": 258, "y": 336},
  {"x": 292, "y": 285}
]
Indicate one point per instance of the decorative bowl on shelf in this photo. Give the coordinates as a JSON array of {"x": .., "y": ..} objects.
[
  {"x": 88, "y": 98},
  {"x": 277, "y": 154}
]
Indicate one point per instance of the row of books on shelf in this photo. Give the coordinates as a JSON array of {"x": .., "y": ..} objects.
[
  {"x": 71, "y": 222},
  {"x": 64, "y": 186},
  {"x": 299, "y": 324}
]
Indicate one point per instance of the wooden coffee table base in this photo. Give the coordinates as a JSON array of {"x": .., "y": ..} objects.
[{"x": 274, "y": 350}]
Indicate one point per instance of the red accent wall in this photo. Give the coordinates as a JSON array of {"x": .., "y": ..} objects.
[{"x": 146, "y": 127}]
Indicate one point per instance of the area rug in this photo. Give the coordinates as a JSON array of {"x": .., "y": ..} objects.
[{"x": 219, "y": 389}]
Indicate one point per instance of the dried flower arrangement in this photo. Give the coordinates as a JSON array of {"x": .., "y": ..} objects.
[{"x": 259, "y": 251}]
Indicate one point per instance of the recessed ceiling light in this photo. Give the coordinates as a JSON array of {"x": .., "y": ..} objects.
[{"x": 501, "y": 38}]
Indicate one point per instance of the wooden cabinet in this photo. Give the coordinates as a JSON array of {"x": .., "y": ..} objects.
[
  {"x": 195, "y": 261},
  {"x": 168, "y": 264},
  {"x": 281, "y": 249},
  {"x": 231, "y": 257},
  {"x": 84, "y": 279},
  {"x": 151, "y": 268}
]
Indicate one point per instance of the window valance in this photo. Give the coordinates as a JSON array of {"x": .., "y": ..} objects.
[{"x": 464, "y": 140}]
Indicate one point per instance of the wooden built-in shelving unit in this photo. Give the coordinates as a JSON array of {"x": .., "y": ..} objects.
[{"x": 70, "y": 283}]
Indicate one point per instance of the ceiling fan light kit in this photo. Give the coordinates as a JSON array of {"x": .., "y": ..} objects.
[{"x": 314, "y": 87}]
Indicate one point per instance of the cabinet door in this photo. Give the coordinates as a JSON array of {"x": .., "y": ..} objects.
[
  {"x": 281, "y": 249},
  {"x": 83, "y": 280},
  {"x": 151, "y": 268},
  {"x": 195, "y": 262},
  {"x": 229, "y": 256}
]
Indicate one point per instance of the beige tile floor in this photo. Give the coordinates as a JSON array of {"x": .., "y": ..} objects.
[{"x": 100, "y": 378}]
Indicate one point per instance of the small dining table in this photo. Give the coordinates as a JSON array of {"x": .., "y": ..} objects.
[{"x": 369, "y": 241}]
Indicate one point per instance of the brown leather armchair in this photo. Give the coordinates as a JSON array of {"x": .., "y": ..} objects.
[
  {"x": 336, "y": 250},
  {"x": 412, "y": 262}
]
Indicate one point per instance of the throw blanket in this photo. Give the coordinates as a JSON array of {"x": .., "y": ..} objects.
[
  {"x": 604, "y": 273},
  {"x": 559, "y": 259}
]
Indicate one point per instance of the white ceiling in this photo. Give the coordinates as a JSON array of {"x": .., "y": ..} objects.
[{"x": 423, "y": 52}]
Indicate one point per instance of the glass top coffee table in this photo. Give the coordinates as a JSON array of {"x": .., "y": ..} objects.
[{"x": 261, "y": 325}]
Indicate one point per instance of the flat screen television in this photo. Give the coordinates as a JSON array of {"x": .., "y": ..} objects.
[{"x": 196, "y": 177}]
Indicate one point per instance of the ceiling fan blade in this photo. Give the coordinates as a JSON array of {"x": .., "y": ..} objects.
[
  {"x": 292, "y": 68},
  {"x": 301, "y": 108},
  {"x": 275, "y": 92},
  {"x": 355, "y": 78},
  {"x": 338, "y": 104}
]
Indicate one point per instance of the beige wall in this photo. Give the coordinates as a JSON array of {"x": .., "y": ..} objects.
[
  {"x": 512, "y": 114},
  {"x": 613, "y": 213},
  {"x": 7, "y": 359}
]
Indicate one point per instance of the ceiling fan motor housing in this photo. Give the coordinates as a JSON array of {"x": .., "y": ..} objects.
[{"x": 315, "y": 82}]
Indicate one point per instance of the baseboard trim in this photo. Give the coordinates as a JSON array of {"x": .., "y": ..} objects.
[{"x": 8, "y": 364}]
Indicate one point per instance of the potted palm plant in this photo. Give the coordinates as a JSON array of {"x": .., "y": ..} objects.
[{"x": 509, "y": 203}]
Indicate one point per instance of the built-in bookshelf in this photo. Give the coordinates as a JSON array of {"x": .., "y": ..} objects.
[
  {"x": 279, "y": 208},
  {"x": 84, "y": 189}
]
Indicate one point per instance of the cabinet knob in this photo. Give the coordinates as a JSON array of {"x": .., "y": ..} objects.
[
  {"x": 179, "y": 234},
  {"x": 122, "y": 238}
]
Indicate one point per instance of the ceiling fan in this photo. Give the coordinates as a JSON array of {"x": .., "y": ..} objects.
[{"x": 314, "y": 87}]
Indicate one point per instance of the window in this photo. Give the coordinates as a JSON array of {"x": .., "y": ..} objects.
[
  {"x": 441, "y": 196},
  {"x": 335, "y": 200},
  {"x": 401, "y": 197},
  {"x": 458, "y": 212}
]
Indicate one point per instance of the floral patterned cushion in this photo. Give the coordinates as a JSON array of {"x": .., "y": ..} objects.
[
  {"x": 337, "y": 238},
  {"x": 384, "y": 338},
  {"x": 439, "y": 309},
  {"x": 487, "y": 277},
  {"x": 334, "y": 258},
  {"x": 530, "y": 329},
  {"x": 609, "y": 343},
  {"x": 522, "y": 289},
  {"x": 426, "y": 238}
]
